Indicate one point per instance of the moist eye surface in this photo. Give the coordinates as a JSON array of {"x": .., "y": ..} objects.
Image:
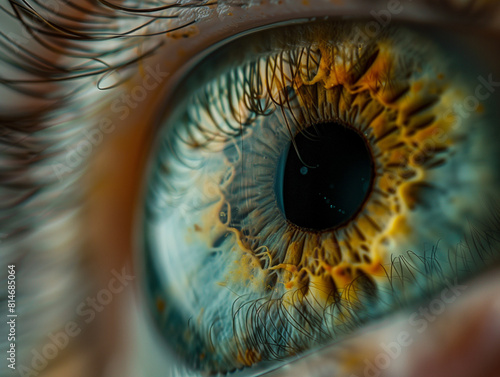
[{"x": 307, "y": 180}]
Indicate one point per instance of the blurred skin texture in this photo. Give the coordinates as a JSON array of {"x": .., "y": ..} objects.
[{"x": 72, "y": 230}]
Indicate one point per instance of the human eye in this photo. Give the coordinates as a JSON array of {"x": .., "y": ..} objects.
[{"x": 210, "y": 154}]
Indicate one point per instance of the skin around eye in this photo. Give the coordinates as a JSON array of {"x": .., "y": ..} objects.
[{"x": 231, "y": 281}]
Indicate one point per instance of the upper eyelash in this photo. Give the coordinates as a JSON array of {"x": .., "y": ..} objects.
[
  {"x": 83, "y": 42},
  {"x": 86, "y": 45},
  {"x": 35, "y": 205}
]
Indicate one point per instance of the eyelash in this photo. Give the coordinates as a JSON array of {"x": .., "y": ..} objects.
[
  {"x": 47, "y": 30},
  {"x": 87, "y": 44}
]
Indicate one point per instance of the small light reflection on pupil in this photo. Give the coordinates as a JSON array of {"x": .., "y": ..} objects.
[{"x": 327, "y": 185}]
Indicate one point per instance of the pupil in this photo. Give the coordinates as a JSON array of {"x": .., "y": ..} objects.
[{"x": 327, "y": 185}]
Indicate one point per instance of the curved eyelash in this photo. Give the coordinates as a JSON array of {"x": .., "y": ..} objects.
[
  {"x": 48, "y": 23},
  {"x": 82, "y": 33},
  {"x": 421, "y": 270}
]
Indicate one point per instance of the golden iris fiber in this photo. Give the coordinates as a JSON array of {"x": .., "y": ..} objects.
[{"x": 238, "y": 283}]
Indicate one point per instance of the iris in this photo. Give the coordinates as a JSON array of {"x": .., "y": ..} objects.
[{"x": 293, "y": 184}]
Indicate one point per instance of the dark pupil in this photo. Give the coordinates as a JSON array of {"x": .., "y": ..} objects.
[{"x": 329, "y": 182}]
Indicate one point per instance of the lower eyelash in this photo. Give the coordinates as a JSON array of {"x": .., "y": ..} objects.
[{"x": 237, "y": 123}]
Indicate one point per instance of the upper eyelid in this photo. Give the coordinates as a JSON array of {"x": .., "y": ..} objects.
[{"x": 150, "y": 21}]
